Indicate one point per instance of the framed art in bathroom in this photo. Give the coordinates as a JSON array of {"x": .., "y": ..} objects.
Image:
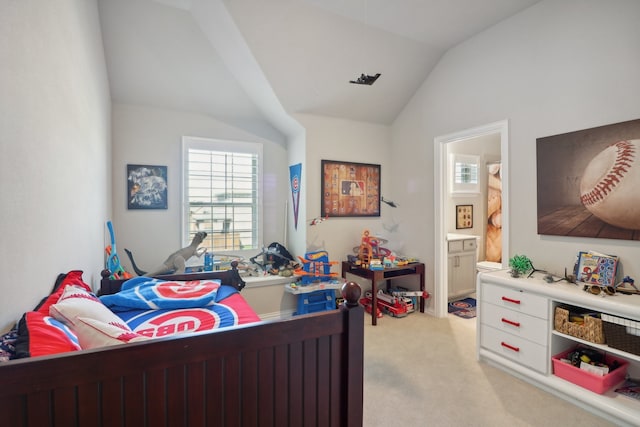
[{"x": 464, "y": 216}]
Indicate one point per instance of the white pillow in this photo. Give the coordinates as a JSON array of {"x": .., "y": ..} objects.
[
  {"x": 93, "y": 333},
  {"x": 77, "y": 302}
]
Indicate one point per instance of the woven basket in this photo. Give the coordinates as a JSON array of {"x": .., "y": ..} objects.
[
  {"x": 622, "y": 334},
  {"x": 591, "y": 330}
]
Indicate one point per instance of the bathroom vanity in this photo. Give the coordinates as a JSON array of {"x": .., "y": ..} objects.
[{"x": 461, "y": 257}]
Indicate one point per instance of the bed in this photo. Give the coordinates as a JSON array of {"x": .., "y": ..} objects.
[{"x": 306, "y": 370}]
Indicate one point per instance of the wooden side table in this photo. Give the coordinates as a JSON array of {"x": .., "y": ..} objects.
[{"x": 387, "y": 274}]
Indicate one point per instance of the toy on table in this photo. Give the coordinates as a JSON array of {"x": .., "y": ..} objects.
[
  {"x": 370, "y": 250},
  {"x": 316, "y": 267}
]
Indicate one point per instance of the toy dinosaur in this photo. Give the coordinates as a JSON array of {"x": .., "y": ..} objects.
[{"x": 176, "y": 262}]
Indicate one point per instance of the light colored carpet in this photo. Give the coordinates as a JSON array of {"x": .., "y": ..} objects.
[{"x": 422, "y": 371}]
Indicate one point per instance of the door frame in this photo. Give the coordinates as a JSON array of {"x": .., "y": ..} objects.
[{"x": 441, "y": 169}]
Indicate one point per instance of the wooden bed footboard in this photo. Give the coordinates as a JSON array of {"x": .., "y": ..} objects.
[{"x": 307, "y": 370}]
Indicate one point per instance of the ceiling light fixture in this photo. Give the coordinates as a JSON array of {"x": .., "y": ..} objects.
[{"x": 365, "y": 79}]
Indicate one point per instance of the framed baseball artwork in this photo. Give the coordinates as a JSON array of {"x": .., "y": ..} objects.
[
  {"x": 588, "y": 182},
  {"x": 350, "y": 189}
]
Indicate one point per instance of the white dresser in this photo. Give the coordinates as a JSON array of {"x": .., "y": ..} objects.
[{"x": 516, "y": 333}]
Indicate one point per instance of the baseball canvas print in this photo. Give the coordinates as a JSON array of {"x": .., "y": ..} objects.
[{"x": 589, "y": 182}]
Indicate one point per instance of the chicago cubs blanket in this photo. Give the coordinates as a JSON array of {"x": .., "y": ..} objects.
[{"x": 157, "y": 308}]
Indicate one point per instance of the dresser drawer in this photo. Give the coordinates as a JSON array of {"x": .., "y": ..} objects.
[
  {"x": 514, "y": 299},
  {"x": 515, "y": 322},
  {"x": 515, "y": 348}
]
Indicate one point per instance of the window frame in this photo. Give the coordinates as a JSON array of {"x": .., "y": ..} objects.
[
  {"x": 462, "y": 188},
  {"x": 214, "y": 144}
]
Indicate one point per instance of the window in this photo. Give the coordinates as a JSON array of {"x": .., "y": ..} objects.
[
  {"x": 464, "y": 174},
  {"x": 222, "y": 190}
]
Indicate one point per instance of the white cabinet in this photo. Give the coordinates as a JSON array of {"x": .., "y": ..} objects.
[
  {"x": 461, "y": 266},
  {"x": 516, "y": 333}
]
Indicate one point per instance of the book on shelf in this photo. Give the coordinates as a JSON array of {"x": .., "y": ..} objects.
[
  {"x": 630, "y": 387},
  {"x": 595, "y": 268}
]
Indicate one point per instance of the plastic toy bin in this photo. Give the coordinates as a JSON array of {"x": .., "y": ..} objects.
[
  {"x": 596, "y": 383},
  {"x": 313, "y": 302}
]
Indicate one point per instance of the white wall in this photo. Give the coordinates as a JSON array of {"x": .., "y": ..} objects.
[
  {"x": 349, "y": 141},
  {"x": 54, "y": 148},
  {"x": 560, "y": 66},
  {"x": 150, "y": 136}
]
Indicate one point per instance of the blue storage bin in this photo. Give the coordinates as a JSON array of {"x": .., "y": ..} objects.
[{"x": 313, "y": 302}]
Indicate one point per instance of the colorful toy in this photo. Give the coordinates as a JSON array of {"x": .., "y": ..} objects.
[
  {"x": 367, "y": 303},
  {"x": 627, "y": 286},
  {"x": 316, "y": 267},
  {"x": 370, "y": 249},
  {"x": 113, "y": 261},
  {"x": 394, "y": 306}
]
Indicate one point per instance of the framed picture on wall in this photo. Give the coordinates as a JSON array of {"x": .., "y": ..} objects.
[
  {"x": 146, "y": 187},
  {"x": 350, "y": 189},
  {"x": 587, "y": 186},
  {"x": 464, "y": 216}
]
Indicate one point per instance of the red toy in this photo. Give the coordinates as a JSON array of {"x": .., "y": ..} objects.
[{"x": 394, "y": 306}]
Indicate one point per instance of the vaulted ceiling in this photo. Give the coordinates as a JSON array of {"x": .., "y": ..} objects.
[{"x": 252, "y": 63}]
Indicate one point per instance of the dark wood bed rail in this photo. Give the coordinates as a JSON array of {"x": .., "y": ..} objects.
[
  {"x": 307, "y": 370},
  {"x": 229, "y": 277}
]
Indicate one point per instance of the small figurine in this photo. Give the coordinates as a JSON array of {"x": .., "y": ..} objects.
[{"x": 623, "y": 287}]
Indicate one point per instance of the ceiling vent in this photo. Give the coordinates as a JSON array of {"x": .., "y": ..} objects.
[{"x": 365, "y": 79}]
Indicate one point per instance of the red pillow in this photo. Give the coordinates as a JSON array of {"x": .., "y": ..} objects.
[
  {"x": 40, "y": 335},
  {"x": 72, "y": 278}
]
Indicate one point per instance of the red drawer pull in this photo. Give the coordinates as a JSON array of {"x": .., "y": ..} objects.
[
  {"x": 515, "y": 301},
  {"x": 511, "y": 322},
  {"x": 510, "y": 347}
]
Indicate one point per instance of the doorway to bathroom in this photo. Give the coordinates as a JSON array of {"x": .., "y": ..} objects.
[{"x": 486, "y": 147}]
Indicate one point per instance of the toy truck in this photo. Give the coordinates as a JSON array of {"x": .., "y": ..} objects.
[{"x": 395, "y": 306}]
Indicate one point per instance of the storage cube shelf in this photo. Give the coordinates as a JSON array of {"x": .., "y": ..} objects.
[
  {"x": 591, "y": 330},
  {"x": 623, "y": 334}
]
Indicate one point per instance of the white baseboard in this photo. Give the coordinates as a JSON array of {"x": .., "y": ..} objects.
[{"x": 276, "y": 315}]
